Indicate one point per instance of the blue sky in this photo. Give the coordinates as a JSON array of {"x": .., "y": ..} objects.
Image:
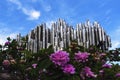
[{"x": 21, "y": 16}]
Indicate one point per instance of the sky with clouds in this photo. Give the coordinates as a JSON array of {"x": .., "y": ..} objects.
[{"x": 21, "y": 16}]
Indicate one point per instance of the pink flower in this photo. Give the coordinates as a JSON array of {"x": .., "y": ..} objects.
[
  {"x": 6, "y": 63},
  {"x": 117, "y": 75},
  {"x": 34, "y": 65},
  {"x": 7, "y": 43},
  {"x": 81, "y": 56},
  {"x": 101, "y": 71},
  {"x": 86, "y": 72},
  {"x": 69, "y": 69},
  {"x": 102, "y": 54},
  {"x": 60, "y": 58},
  {"x": 106, "y": 66}
]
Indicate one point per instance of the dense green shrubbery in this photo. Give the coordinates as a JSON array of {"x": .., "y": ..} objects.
[{"x": 72, "y": 63}]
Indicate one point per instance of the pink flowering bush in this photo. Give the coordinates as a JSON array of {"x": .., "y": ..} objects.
[{"x": 73, "y": 63}]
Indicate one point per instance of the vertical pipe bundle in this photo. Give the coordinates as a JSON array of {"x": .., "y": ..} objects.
[{"x": 61, "y": 34}]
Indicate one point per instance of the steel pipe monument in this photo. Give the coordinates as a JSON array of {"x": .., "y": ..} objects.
[{"x": 61, "y": 34}]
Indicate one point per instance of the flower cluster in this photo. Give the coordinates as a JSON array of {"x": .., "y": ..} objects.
[
  {"x": 68, "y": 69},
  {"x": 106, "y": 66},
  {"x": 7, "y": 43},
  {"x": 101, "y": 71},
  {"x": 34, "y": 65},
  {"x": 117, "y": 75},
  {"x": 86, "y": 72},
  {"x": 60, "y": 58},
  {"x": 6, "y": 63},
  {"x": 81, "y": 56}
]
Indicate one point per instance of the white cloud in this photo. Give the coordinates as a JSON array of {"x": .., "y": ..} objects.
[
  {"x": 31, "y": 13},
  {"x": 16, "y": 2}
]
